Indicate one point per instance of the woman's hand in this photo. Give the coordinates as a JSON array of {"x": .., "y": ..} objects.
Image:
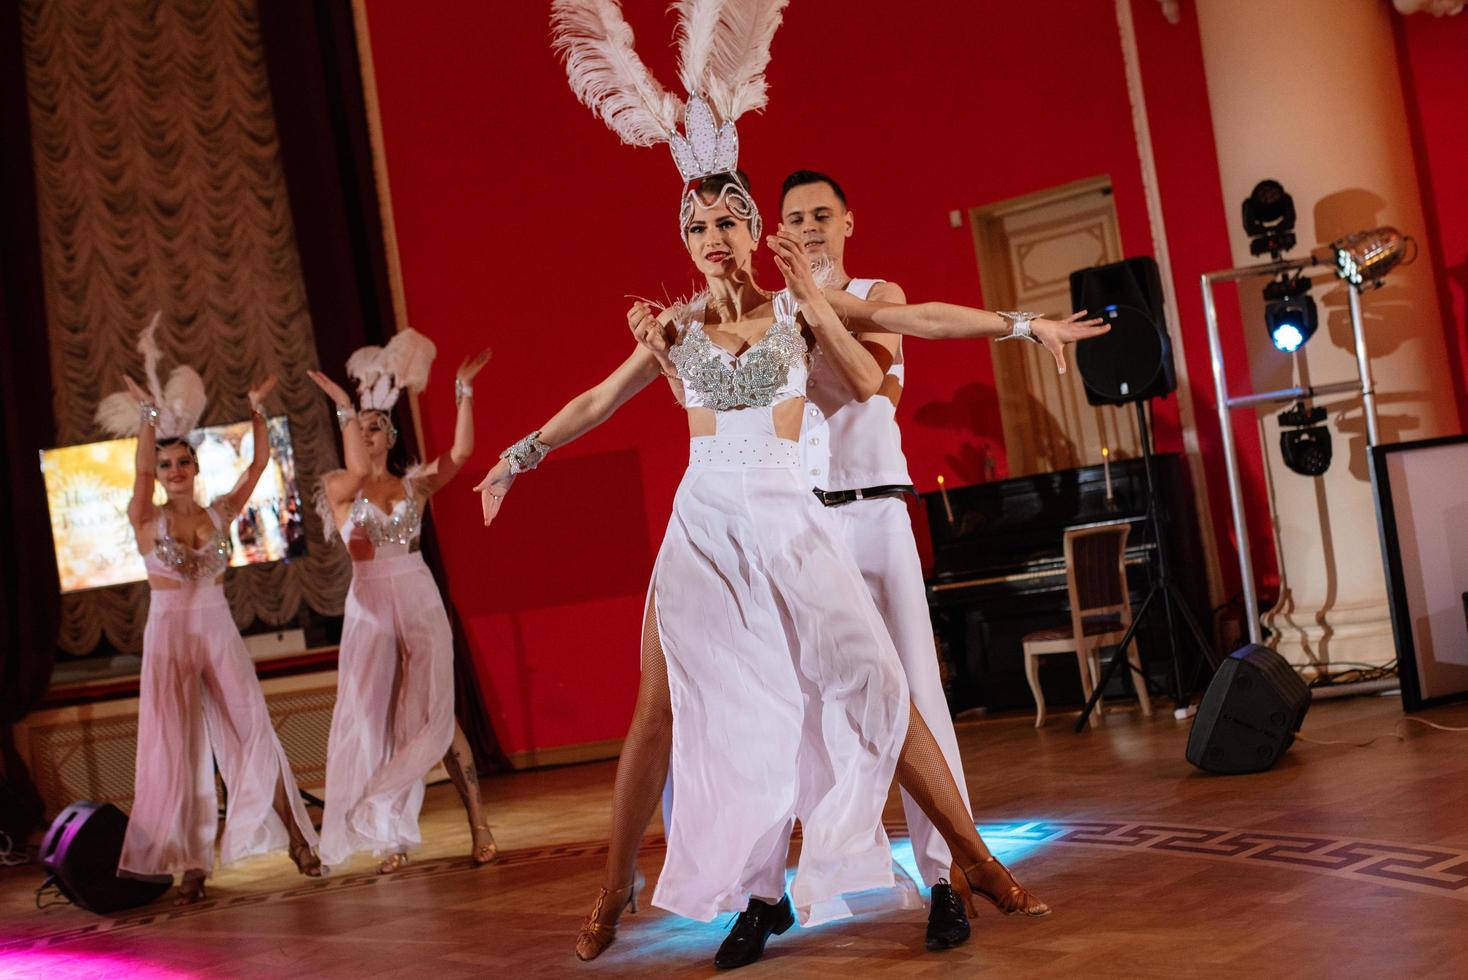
[
  {"x": 258, "y": 394},
  {"x": 333, "y": 390},
  {"x": 492, "y": 489},
  {"x": 794, "y": 264},
  {"x": 650, "y": 333},
  {"x": 1054, "y": 335},
  {"x": 473, "y": 365}
]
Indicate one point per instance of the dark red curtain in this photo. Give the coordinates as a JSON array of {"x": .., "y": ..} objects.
[{"x": 29, "y": 587}]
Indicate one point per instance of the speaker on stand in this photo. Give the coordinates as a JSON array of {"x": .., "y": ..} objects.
[{"x": 1131, "y": 364}]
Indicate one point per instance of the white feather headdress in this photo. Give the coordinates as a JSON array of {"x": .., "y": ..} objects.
[
  {"x": 723, "y": 50},
  {"x": 382, "y": 373},
  {"x": 180, "y": 402}
]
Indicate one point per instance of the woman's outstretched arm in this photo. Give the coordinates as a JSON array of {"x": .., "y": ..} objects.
[
  {"x": 140, "y": 509},
  {"x": 239, "y": 495},
  {"x": 343, "y": 486},
  {"x": 578, "y": 416},
  {"x": 446, "y": 466}
]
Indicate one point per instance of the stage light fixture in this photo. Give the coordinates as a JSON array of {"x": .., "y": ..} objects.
[
  {"x": 1290, "y": 312},
  {"x": 1304, "y": 442},
  {"x": 1364, "y": 258},
  {"x": 1269, "y": 219}
]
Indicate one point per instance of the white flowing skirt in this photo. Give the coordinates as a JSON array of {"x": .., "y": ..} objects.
[
  {"x": 199, "y": 704},
  {"x": 879, "y": 536},
  {"x": 788, "y": 698},
  {"x": 394, "y": 714}
]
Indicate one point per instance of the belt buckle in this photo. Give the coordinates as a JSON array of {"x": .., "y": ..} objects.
[{"x": 857, "y": 495}]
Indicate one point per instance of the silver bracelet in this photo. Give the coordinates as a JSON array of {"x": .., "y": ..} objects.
[
  {"x": 1019, "y": 325},
  {"x": 148, "y": 414},
  {"x": 525, "y": 454},
  {"x": 462, "y": 390},
  {"x": 345, "y": 414}
]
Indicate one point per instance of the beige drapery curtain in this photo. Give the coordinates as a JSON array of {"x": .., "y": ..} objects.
[{"x": 159, "y": 186}]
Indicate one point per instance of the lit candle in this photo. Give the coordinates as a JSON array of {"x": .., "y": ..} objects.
[
  {"x": 1106, "y": 467},
  {"x": 946, "y": 505}
]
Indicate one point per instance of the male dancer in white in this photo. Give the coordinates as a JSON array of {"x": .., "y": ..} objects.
[{"x": 852, "y": 451}]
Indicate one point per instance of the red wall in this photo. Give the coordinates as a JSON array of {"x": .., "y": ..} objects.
[
  {"x": 522, "y": 223},
  {"x": 1433, "y": 55}
]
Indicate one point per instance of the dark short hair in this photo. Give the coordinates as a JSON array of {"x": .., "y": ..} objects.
[{"x": 802, "y": 177}]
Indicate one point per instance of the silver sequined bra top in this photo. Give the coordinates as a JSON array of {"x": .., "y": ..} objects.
[
  {"x": 391, "y": 534},
  {"x": 172, "y": 559},
  {"x": 768, "y": 372}
]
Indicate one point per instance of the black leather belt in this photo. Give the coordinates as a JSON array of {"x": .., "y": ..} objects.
[{"x": 833, "y": 498}]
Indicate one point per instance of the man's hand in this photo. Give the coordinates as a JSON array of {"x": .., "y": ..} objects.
[{"x": 1054, "y": 335}]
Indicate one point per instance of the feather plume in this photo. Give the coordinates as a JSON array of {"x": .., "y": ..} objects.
[
  {"x": 117, "y": 415},
  {"x": 409, "y": 355},
  {"x": 368, "y": 367},
  {"x": 738, "y": 54},
  {"x": 183, "y": 398},
  {"x": 606, "y": 74},
  {"x": 148, "y": 347},
  {"x": 698, "y": 21}
]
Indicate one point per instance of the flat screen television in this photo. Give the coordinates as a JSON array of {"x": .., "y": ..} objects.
[{"x": 88, "y": 488}]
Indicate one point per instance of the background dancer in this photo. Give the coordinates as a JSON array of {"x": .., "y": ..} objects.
[
  {"x": 200, "y": 703},
  {"x": 394, "y": 714}
]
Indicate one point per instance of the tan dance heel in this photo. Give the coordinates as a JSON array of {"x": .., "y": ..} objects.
[
  {"x": 600, "y": 929},
  {"x": 392, "y": 863},
  {"x": 1010, "y": 897}
]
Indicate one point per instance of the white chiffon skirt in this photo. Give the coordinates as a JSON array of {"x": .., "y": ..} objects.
[
  {"x": 200, "y": 704},
  {"x": 788, "y": 699},
  {"x": 394, "y": 714}
]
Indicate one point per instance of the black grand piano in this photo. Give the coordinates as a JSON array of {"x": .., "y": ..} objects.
[{"x": 999, "y": 572}]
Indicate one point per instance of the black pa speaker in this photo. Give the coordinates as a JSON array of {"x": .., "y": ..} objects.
[
  {"x": 80, "y": 852},
  {"x": 1134, "y": 360},
  {"x": 1250, "y": 713}
]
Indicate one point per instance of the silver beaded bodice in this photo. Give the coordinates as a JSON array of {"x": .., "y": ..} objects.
[
  {"x": 401, "y": 527},
  {"x": 193, "y": 564},
  {"x": 757, "y": 378}
]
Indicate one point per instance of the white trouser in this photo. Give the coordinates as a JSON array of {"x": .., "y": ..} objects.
[
  {"x": 199, "y": 703},
  {"x": 394, "y": 715}
]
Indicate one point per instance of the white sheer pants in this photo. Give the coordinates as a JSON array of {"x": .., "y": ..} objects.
[{"x": 200, "y": 703}]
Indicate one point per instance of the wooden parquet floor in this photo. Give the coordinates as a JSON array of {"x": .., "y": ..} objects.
[{"x": 1339, "y": 862}]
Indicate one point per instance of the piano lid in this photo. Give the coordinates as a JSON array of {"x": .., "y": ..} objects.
[{"x": 1018, "y": 524}]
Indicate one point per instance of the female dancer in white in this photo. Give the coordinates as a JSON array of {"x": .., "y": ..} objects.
[
  {"x": 200, "y": 703},
  {"x": 746, "y": 544},
  {"x": 394, "y": 716}
]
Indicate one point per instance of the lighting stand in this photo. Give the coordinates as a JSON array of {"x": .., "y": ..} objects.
[{"x": 1228, "y": 403}]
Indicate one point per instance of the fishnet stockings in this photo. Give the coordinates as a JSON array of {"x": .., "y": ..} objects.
[
  {"x": 923, "y": 772},
  {"x": 642, "y": 768}
]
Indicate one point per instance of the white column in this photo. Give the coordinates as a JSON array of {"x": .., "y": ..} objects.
[{"x": 1307, "y": 92}]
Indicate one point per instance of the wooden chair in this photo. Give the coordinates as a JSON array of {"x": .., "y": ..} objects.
[{"x": 1100, "y": 612}]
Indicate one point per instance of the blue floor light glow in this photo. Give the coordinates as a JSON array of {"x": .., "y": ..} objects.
[{"x": 663, "y": 933}]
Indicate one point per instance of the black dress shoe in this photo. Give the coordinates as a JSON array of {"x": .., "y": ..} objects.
[
  {"x": 746, "y": 941},
  {"x": 947, "y": 920}
]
